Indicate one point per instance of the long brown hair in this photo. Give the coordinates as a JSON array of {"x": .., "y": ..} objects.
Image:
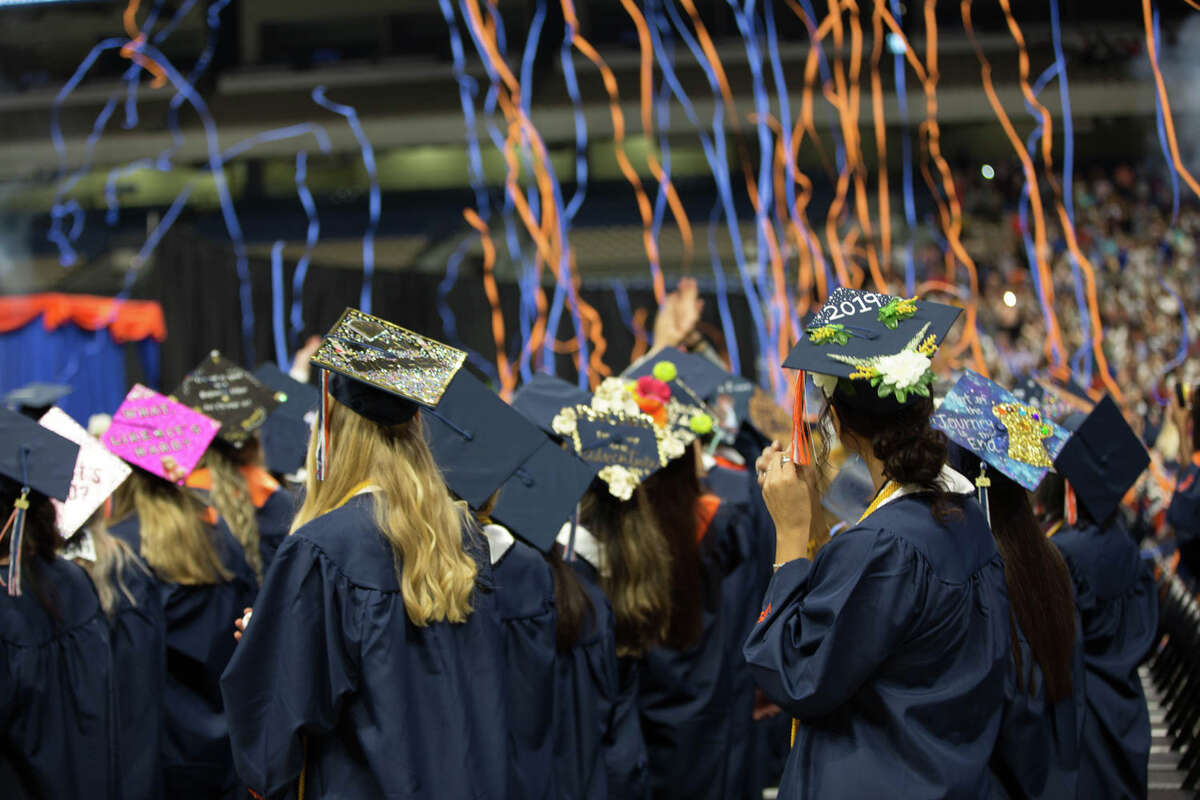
[
  {"x": 175, "y": 542},
  {"x": 113, "y": 559},
  {"x": 231, "y": 495},
  {"x": 572, "y": 606},
  {"x": 636, "y": 574},
  {"x": 1040, "y": 593},
  {"x": 413, "y": 509},
  {"x": 674, "y": 493},
  {"x": 39, "y": 541}
]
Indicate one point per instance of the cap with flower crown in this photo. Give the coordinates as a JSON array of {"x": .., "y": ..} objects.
[{"x": 874, "y": 350}]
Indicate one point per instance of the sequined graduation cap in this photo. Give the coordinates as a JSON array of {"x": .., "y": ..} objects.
[
  {"x": 1102, "y": 458},
  {"x": 1011, "y": 437},
  {"x": 221, "y": 389},
  {"x": 874, "y": 350},
  {"x": 38, "y": 460},
  {"x": 380, "y": 371}
]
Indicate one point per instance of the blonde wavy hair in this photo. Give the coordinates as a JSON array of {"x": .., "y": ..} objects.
[
  {"x": 413, "y": 509},
  {"x": 231, "y": 496},
  {"x": 107, "y": 572},
  {"x": 176, "y": 543},
  {"x": 637, "y": 560}
]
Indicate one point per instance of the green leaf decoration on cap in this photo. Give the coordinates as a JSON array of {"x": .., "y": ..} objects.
[
  {"x": 897, "y": 309},
  {"x": 825, "y": 334},
  {"x": 900, "y": 375}
]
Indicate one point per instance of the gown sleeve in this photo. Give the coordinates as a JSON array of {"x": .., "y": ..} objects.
[
  {"x": 625, "y": 748},
  {"x": 827, "y": 624},
  {"x": 294, "y": 667}
]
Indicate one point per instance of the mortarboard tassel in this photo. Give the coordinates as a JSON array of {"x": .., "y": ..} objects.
[
  {"x": 981, "y": 485},
  {"x": 801, "y": 436},
  {"x": 1071, "y": 512},
  {"x": 322, "y": 455},
  {"x": 17, "y": 522}
]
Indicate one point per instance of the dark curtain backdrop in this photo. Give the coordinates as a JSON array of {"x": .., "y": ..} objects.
[{"x": 195, "y": 280}]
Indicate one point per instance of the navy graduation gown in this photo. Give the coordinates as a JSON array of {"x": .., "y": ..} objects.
[
  {"x": 197, "y": 762},
  {"x": 138, "y": 631},
  {"x": 1038, "y": 752},
  {"x": 890, "y": 648},
  {"x": 625, "y": 760},
  {"x": 691, "y": 716},
  {"x": 332, "y": 677},
  {"x": 274, "y": 519},
  {"x": 56, "y": 720},
  {"x": 525, "y": 603},
  {"x": 1118, "y": 605}
]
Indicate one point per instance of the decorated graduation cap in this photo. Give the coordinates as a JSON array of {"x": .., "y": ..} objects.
[
  {"x": 477, "y": 439},
  {"x": 158, "y": 434},
  {"x": 542, "y": 494},
  {"x": 38, "y": 460},
  {"x": 676, "y": 388},
  {"x": 285, "y": 434},
  {"x": 35, "y": 399},
  {"x": 380, "y": 371},
  {"x": 221, "y": 389},
  {"x": 612, "y": 433},
  {"x": 1102, "y": 458},
  {"x": 1012, "y": 437},
  {"x": 97, "y": 473},
  {"x": 873, "y": 349},
  {"x": 542, "y": 397}
]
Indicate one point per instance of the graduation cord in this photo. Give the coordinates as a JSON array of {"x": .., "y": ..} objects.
[{"x": 1055, "y": 528}]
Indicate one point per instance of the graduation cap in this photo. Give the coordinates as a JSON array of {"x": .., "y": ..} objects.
[
  {"x": 286, "y": 432},
  {"x": 158, "y": 434},
  {"x": 477, "y": 439},
  {"x": 693, "y": 377},
  {"x": 380, "y": 371},
  {"x": 544, "y": 396},
  {"x": 39, "y": 460},
  {"x": 97, "y": 473},
  {"x": 613, "y": 434},
  {"x": 35, "y": 399},
  {"x": 542, "y": 493},
  {"x": 875, "y": 350},
  {"x": 221, "y": 389},
  {"x": 1012, "y": 437},
  {"x": 1102, "y": 459}
]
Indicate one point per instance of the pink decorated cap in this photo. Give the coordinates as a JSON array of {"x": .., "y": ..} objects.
[
  {"x": 97, "y": 475},
  {"x": 160, "y": 435}
]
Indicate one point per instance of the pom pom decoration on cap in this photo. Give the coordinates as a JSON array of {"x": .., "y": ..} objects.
[
  {"x": 229, "y": 394},
  {"x": 1101, "y": 460},
  {"x": 380, "y": 371},
  {"x": 1014, "y": 438},
  {"x": 38, "y": 460},
  {"x": 875, "y": 351},
  {"x": 677, "y": 386}
]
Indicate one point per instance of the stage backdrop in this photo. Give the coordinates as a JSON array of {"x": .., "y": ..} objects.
[{"x": 84, "y": 341}]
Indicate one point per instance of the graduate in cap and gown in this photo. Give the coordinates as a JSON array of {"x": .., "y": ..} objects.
[
  {"x": 891, "y": 646},
  {"x": 599, "y": 750},
  {"x": 1183, "y": 514},
  {"x": 1114, "y": 591},
  {"x": 696, "y": 696},
  {"x": 35, "y": 399},
  {"x": 56, "y": 674},
  {"x": 483, "y": 447},
  {"x": 201, "y": 576},
  {"x": 1009, "y": 447},
  {"x": 132, "y": 605},
  {"x": 232, "y": 475},
  {"x": 373, "y": 664}
]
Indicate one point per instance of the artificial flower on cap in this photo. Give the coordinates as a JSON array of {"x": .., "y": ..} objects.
[
  {"x": 614, "y": 434},
  {"x": 158, "y": 434},
  {"x": 873, "y": 350},
  {"x": 1012, "y": 437},
  {"x": 380, "y": 371},
  {"x": 671, "y": 385}
]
